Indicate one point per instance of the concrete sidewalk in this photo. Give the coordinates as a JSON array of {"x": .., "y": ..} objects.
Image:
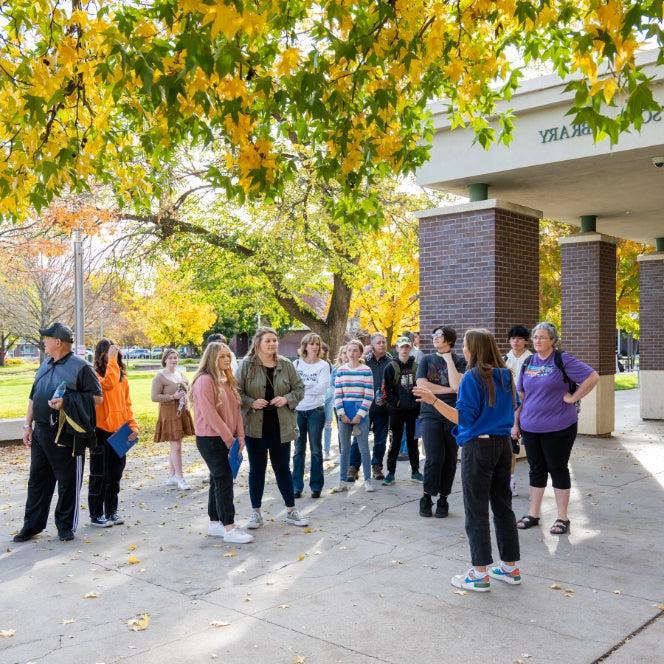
[{"x": 369, "y": 582}]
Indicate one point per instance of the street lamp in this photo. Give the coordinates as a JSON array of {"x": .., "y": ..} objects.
[{"x": 79, "y": 305}]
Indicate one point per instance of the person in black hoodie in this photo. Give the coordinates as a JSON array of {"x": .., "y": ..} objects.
[{"x": 398, "y": 382}]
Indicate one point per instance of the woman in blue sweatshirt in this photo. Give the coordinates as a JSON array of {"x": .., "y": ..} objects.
[{"x": 484, "y": 415}]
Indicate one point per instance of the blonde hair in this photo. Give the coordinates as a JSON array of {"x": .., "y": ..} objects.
[
  {"x": 357, "y": 343},
  {"x": 256, "y": 341},
  {"x": 308, "y": 338},
  {"x": 209, "y": 366},
  {"x": 339, "y": 361}
]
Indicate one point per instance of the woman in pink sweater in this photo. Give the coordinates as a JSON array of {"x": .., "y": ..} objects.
[{"x": 217, "y": 424}]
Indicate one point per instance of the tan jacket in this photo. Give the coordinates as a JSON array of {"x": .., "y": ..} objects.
[{"x": 252, "y": 379}]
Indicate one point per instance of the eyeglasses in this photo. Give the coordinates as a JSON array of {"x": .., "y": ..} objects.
[{"x": 438, "y": 335}]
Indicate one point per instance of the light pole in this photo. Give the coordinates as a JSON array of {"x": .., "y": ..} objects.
[{"x": 79, "y": 324}]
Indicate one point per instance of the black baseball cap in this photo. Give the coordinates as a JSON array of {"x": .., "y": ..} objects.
[{"x": 58, "y": 331}]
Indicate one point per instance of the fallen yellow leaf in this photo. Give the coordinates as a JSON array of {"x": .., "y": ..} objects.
[
  {"x": 461, "y": 592},
  {"x": 660, "y": 607},
  {"x": 284, "y": 606},
  {"x": 219, "y": 623},
  {"x": 308, "y": 530},
  {"x": 68, "y": 621},
  {"x": 301, "y": 557},
  {"x": 133, "y": 560},
  {"x": 131, "y": 547},
  {"x": 87, "y": 540},
  {"x": 554, "y": 586},
  {"x": 298, "y": 659},
  {"x": 231, "y": 553},
  {"x": 139, "y": 623},
  {"x": 6, "y": 633},
  {"x": 90, "y": 596}
]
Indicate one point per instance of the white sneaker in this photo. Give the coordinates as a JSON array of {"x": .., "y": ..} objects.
[
  {"x": 255, "y": 520},
  {"x": 216, "y": 529},
  {"x": 368, "y": 486},
  {"x": 342, "y": 486},
  {"x": 237, "y": 536},
  {"x": 182, "y": 484},
  {"x": 293, "y": 517},
  {"x": 513, "y": 486},
  {"x": 172, "y": 481},
  {"x": 326, "y": 456}
]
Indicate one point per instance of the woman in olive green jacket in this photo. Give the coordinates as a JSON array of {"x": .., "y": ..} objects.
[{"x": 270, "y": 389}]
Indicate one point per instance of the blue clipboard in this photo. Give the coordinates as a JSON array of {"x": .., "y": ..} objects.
[
  {"x": 350, "y": 408},
  {"x": 235, "y": 457},
  {"x": 120, "y": 442}
]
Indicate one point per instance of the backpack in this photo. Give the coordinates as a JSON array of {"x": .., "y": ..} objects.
[{"x": 397, "y": 372}]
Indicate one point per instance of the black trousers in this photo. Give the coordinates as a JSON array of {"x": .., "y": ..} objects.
[
  {"x": 220, "y": 496},
  {"x": 258, "y": 449},
  {"x": 106, "y": 469},
  {"x": 441, "y": 450},
  {"x": 485, "y": 478},
  {"x": 399, "y": 419},
  {"x": 548, "y": 454},
  {"x": 51, "y": 464}
]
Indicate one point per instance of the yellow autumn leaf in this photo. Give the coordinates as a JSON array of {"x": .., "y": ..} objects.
[
  {"x": 68, "y": 621},
  {"x": 288, "y": 62},
  {"x": 133, "y": 560},
  {"x": 219, "y": 623},
  {"x": 139, "y": 623},
  {"x": 308, "y": 530},
  {"x": 145, "y": 29},
  {"x": 7, "y": 633},
  {"x": 91, "y": 595},
  {"x": 131, "y": 547},
  {"x": 301, "y": 557},
  {"x": 231, "y": 553},
  {"x": 298, "y": 659}
]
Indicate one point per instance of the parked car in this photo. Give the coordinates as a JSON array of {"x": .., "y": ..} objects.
[
  {"x": 156, "y": 353},
  {"x": 138, "y": 354}
]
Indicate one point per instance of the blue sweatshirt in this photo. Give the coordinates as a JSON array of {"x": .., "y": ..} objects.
[{"x": 476, "y": 417}]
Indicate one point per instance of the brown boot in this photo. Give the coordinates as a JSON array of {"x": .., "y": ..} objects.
[
  {"x": 353, "y": 472},
  {"x": 377, "y": 472}
]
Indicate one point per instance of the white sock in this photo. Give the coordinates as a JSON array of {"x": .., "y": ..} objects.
[
  {"x": 507, "y": 568},
  {"x": 476, "y": 574},
  {"x": 214, "y": 523}
]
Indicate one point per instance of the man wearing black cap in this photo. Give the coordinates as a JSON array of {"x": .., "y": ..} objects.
[{"x": 51, "y": 462}]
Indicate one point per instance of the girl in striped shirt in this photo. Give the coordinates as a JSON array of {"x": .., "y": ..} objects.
[{"x": 353, "y": 394}]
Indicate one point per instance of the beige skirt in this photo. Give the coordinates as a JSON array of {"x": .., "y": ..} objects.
[{"x": 171, "y": 426}]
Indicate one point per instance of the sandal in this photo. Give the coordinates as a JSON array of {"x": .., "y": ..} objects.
[
  {"x": 527, "y": 521},
  {"x": 560, "y": 527}
]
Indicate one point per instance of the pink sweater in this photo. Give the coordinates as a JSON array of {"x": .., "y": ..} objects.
[{"x": 214, "y": 420}]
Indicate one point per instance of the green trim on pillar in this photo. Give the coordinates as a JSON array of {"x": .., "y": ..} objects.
[
  {"x": 478, "y": 191},
  {"x": 659, "y": 243},
  {"x": 588, "y": 223}
]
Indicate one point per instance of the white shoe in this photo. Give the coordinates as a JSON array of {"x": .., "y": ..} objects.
[
  {"x": 182, "y": 484},
  {"x": 172, "y": 481},
  {"x": 342, "y": 486},
  {"x": 216, "y": 529},
  {"x": 293, "y": 517},
  {"x": 326, "y": 456},
  {"x": 237, "y": 536},
  {"x": 255, "y": 520},
  {"x": 513, "y": 486},
  {"x": 368, "y": 486}
]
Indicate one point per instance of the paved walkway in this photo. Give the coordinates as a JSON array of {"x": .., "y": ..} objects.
[{"x": 369, "y": 582}]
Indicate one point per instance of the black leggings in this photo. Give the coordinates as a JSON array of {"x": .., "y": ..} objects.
[{"x": 548, "y": 454}]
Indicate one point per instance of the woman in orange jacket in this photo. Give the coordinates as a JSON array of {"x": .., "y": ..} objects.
[{"x": 106, "y": 467}]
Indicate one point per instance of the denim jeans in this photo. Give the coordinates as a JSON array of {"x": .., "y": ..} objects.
[
  {"x": 345, "y": 432},
  {"x": 379, "y": 420},
  {"x": 220, "y": 495},
  {"x": 485, "y": 478},
  {"x": 329, "y": 414},
  {"x": 258, "y": 449},
  {"x": 310, "y": 425}
]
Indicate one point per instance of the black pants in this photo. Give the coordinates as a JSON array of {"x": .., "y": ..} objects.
[
  {"x": 220, "y": 497},
  {"x": 258, "y": 449},
  {"x": 441, "y": 450},
  {"x": 485, "y": 478},
  {"x": 49, "y": 464},
  {"x": 399, "y": 419},
  {"x": 106, "y": 469},
  {"x": 548, "y": 454}
]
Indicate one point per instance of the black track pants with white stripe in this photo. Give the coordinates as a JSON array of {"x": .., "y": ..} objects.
[{"x": 51, "y": 464}]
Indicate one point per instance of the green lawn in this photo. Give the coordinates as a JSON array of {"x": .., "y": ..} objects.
[{"x": 626, "y": 381}]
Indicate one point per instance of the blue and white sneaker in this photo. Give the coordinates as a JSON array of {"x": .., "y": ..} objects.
[
  {"x": 469, "y": 581},
  {"x": 513, "y": 577}
]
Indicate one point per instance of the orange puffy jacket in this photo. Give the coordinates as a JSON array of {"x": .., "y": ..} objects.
[{"x": 115, "y": 409}]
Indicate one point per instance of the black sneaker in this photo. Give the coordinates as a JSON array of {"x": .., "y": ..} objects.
[
  {"x": 115, "y": 519},
  {"x": 66, "y": 536},
  {"x": 442, "y": 508},
  {"x": 24, "y": 535},
  {"x": 425, "y": 505},
  {"x": 100, "y": 522},
  {"x": 315, "y": 494},
  {"x": 297, "y": 494}
]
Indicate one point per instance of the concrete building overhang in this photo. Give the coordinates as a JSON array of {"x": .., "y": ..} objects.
[{"x": 554, "y": 166}]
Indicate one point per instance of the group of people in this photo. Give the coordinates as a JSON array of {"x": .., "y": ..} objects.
[{"x": 480, "y": 401}]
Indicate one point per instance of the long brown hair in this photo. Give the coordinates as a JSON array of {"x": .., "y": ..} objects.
[
  {"x": 484, "y": 358},
  {"x": 256, "y": 341},
  {"x": 306, "y": 340},
  {"x": 209, "y": 366},
  {"x": 101, "y": 358}
]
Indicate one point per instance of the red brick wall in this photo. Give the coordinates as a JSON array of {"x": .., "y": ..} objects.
[
  {"x": 651, "y": 315},
  {"x": 478, "y": 269},
  {"x": 588, "y": 286}
]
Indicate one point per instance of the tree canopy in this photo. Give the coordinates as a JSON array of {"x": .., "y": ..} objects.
[{"x": 112, "y": 90}]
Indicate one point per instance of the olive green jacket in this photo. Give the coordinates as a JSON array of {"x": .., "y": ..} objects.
[{"x": 252, "y": 379}]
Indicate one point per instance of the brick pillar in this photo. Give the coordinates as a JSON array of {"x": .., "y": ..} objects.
[
  {"x": 589, "y": 321},
  {"x": 479, "y": 267},
  {"x": 651, "y": 343}
]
